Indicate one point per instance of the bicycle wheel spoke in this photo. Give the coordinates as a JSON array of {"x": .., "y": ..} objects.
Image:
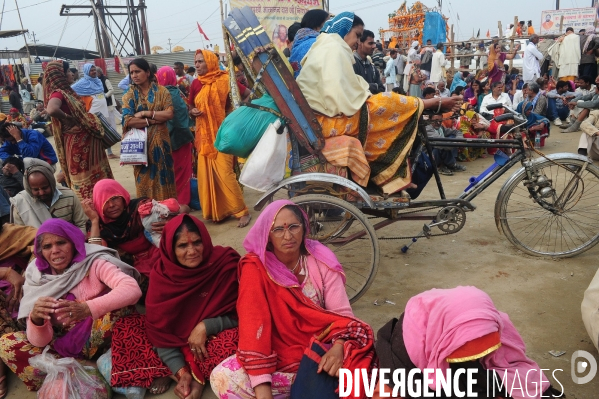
[{"x": 569, "y": 223}]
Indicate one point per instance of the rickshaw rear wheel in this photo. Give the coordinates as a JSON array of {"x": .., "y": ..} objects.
[{"x": 346, "y": 231}]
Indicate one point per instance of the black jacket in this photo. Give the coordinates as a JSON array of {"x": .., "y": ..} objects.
[{"x": 370, "y": 74}]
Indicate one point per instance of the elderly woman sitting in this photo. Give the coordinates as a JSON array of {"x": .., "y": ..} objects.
[
  {"x": 190, "y": 321},
  {"x": 291, "y": 290},
  {"x": 73, "y": 294}
]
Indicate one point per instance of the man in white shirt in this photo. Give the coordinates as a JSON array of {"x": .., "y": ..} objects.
[
  {"x": 531, "y": 70},
  {"x": 390, "y": 78},
  {"x": 497, "y": 96},
  {"x": 438, "y": 65},
  {"x": 442, "y": 90},
  {"x": 520, "y": 95},
  {"x": 38, "y": 90}
]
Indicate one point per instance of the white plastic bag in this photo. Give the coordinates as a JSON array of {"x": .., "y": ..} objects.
[
  {"x": 134, "y": 148},
  {"x": 67, "y": 378},
  {"x": 266, "y": 166},
  {"x": 105, "y": 366}
]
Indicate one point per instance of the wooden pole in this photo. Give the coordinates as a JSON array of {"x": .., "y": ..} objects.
[
  {"x": 511, "y": 63},
  {"x": 23, "y": 30},
  {"x": 561, "y": 24},
  {"x": 451, "y": 68},
  {"x": 500, "y": 29}
]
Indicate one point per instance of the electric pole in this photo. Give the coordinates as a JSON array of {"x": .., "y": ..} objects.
[
  {"x": 557, "y": 4},
  {"x": 170, "y": 49}
]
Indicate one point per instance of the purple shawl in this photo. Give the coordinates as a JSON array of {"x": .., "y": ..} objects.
[
  {"x": 63, "y": 229},
  {"x": 257, "y": 240}
]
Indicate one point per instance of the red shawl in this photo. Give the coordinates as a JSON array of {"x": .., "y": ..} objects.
[
  {"x": 277, "y": 323},
  {"x": 179, "y": 298}
]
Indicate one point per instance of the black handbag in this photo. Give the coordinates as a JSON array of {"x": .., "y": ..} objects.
[
  {"x": 309, "y": 384},
  {"x": 110, "y": 136}
]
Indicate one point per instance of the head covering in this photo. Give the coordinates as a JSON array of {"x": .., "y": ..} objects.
[
  {"x": 457, "y": 82},
  {"x": 64, "y": 229},
  {"x": 179, "y": 297},
  {"x": 55, "y": 80},
  {"x": 340, "y": 24},
  {"x": 13, "y": 110},
  {"x": 37, "y": 165},
  {"x": 39, "y": 281},
  {"x": 2, "y": 117},
  {"x": 534, "y": 119},
  {"x": 87, "y": 86},
  {"x": 166, "y": 76},
  {"x": 440, "y": 321},
  {"x": 212, "y": 102},
  {"x": 256, "y": 242},
  {"x": 304, "y": 39},
  {"x": 127, "y": 226},
  {"x": 104, "y": 190},
  {"x": 414, "y": 44}
]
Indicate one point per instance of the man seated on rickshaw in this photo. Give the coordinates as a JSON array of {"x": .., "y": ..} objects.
[{"x": 370, "y": 134}]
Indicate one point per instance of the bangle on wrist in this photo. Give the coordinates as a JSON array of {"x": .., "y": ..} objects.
[
  {"x": 181, "y": 372},
  {"x": 147, "y": 122},
  {"x": 153, "y": 115},
  {"x": 439, "y": 107}
]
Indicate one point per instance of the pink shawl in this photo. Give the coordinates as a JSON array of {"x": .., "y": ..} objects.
[
  {"x": 257, "y": 240},
  {"x": 439, "y": 321}
]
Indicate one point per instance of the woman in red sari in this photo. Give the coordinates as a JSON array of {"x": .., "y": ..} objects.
[
  {"x": 291, "y": 296},
  {"x": 190, "y": 324}
]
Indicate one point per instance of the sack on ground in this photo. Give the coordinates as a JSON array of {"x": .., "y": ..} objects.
[
  {"x": 105, "y": 366},
  {"x": 266, "y": 166},
  {"x": 134, "y": 148},
  {"x": 242, "y": 129},
  {"x": 67, "y": 378}
]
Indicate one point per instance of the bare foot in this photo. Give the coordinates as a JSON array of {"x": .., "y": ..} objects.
[
  {"x": 244, "y": 220},
  {"x": 160, "y": 385},
  {"x": 411, "y": 185}
]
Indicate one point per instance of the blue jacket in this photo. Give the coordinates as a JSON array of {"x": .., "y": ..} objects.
[{"x": 33, "y": 145}]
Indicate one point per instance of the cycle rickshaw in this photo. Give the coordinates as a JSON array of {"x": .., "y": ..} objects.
[{"x": 546, "y": 208}]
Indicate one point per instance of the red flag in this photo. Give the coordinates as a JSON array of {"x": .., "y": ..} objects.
[
  {"x": 488, "y": 33},
  {"x": 202, "y": 32}
]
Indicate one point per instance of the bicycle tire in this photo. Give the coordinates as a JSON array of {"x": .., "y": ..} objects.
[
  {"x": 568, "y": 227},
  {"x": 359, "y": 274}
]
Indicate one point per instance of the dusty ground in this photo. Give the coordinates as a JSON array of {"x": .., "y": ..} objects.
[{"x": 542, "y": 296}]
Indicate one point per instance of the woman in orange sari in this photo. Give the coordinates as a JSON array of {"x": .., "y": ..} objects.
[{"x": 220, "y": 193}]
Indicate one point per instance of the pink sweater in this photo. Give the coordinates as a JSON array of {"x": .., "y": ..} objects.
[{"x": 103, "y": 276}]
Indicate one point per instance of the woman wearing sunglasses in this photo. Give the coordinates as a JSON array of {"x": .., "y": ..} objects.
[{"x": 291, "y": 289}]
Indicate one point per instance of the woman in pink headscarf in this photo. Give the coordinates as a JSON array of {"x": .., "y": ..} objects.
[
  {"x": 180, "y": 134},
  {"x": 457, "y": 329},
  {"x": 291, "y": 290}
]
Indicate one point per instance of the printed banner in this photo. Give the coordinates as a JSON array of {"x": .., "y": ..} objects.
[
  {"x": 577, "y": 18},
  {"x": 277, "y": 15}
]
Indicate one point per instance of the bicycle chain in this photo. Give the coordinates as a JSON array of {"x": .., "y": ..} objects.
[{"x": 416, "y": 236}]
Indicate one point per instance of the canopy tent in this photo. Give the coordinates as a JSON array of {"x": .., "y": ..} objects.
[
  {"x": 68, "y": 53},
  {"x": 5, "y": 34}
]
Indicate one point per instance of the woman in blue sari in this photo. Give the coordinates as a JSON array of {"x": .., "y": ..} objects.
[
  {"x": 458, "y": 81},
  {"x": 311, "y": 25}
]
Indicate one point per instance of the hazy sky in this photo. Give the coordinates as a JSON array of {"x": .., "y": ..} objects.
[{"x": 176, "y": 19}]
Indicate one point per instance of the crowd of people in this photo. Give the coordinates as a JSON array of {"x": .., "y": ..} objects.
[{"x": 78, "y": 253}]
